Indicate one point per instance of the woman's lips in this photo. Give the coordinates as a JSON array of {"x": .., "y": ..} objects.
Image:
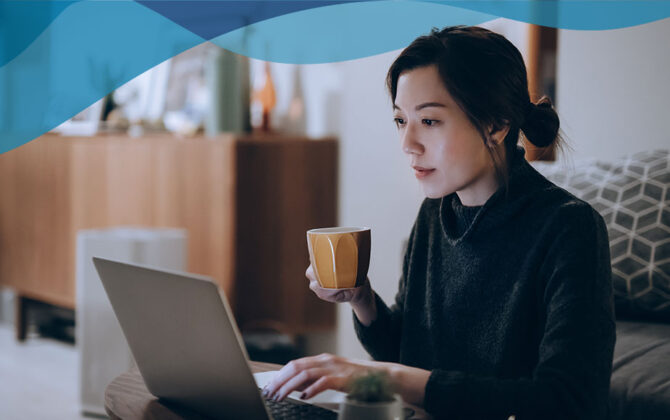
[{"x": 421, "y": 173}]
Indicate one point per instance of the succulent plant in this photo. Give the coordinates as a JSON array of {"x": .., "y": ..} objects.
[{"x": 371, "y": 387}]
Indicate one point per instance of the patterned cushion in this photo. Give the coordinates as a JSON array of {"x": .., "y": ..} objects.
[{"x": 633, "y": 196}]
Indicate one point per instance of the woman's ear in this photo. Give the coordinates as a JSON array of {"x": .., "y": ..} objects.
[{"x": 497, "y": 134}]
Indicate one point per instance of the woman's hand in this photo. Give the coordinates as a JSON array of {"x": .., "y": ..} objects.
[
  {"x": 353, "y": 296},
  {"x": 362, "y": 298},
  {"x": 315, "y": 374}
]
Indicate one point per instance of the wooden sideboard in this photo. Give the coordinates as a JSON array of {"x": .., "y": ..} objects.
[{"x": 246, "y": 202}]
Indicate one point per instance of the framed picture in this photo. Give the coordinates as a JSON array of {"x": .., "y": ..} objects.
[
  {"x": 143, "y": 98},
  {"x": 85, "y": 123}
]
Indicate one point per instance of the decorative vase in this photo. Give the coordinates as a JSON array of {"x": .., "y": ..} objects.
[
  {"x": 295, "y": 119},
  {"x": 227, "y": 76},
  {"x": 351, "y": 409}
]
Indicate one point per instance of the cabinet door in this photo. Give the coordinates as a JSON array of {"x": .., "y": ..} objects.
[
  {"x": 284, "y": 188},
  {"x": 36, "y": 246}
]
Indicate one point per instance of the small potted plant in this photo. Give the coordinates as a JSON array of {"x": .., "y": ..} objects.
[{"x": 371, "y": 397}]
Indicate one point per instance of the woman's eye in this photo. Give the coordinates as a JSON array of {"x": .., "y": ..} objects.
[
  {"x": 399, "y": 121},
  {"x": 429, "y": 122}
]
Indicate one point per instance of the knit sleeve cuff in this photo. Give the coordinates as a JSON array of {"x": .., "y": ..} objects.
[
  {"x": 377, "y": 338},
  {"x": 376, "y": 327},
  {"x": 445, "y": 393}
]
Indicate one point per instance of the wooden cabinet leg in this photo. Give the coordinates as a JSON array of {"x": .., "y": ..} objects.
[{"x": 21, "y": 321}]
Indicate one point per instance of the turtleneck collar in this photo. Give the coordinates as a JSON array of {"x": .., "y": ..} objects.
[
  {"x": 463, "y": 215},
  {"x": 523, "y": 179}
]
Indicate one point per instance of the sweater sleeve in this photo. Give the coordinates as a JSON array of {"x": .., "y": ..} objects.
[
  {"x": 572, "y": 376},
  {"x": 381, "y": 339}
]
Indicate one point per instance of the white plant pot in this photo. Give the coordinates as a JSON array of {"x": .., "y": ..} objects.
[{"x": 356, "y": 410}]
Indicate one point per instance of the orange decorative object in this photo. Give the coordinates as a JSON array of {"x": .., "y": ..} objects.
[{"x": 267, "y": 97}]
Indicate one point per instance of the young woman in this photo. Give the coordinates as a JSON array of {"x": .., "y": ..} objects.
[{"x": 505, "y": 303}]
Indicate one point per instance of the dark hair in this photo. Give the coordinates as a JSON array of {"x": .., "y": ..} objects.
[{"x": 486, "y": 76}]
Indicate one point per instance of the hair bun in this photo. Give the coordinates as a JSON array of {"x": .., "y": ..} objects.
[{"x": 541, "y": 124}]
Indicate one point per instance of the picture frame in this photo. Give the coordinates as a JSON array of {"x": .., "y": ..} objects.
[{"x": 86, "y": 123}]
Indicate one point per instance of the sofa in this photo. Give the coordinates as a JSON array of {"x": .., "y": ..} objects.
[{"x": 632, "y": 193}]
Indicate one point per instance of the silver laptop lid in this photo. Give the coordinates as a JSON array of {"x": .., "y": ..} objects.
[{"x": 184, "y": 339}]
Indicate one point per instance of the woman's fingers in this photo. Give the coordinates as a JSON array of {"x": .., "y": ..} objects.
[
  {"x": 309, "y": 273},
  {"x": 314, "y": 286},
  {"x": 292, "y": 369},
  {"x": 314, "y": 375},
  {"x": 331, "y": 295},
  {"x": 322, "y": 384},
  {"x": 300, "y": 381},
  {"x": 344, "y": 296}
]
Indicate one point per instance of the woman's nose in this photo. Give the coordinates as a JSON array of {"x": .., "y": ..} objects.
[{"x": 410, "y": 142}]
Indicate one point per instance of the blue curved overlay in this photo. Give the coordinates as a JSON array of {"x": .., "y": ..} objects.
[
  {"x": 572, "y": 14},
  {"x": 211, "y": 18},
  {"x": 343, "y": 32},
  {"x": 22, "y": 21},
  {"x": 83, "y": 55},
  {"x": 61, "y": 56}
]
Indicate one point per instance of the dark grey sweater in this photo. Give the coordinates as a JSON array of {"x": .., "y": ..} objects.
[{"x": 513, "y": 312}]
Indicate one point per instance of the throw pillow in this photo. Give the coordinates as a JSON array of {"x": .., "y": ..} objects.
[{"x": 633, "y": 196}]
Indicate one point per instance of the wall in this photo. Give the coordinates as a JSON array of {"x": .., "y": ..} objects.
[
  {"x": 613, "y": 89},
  {"x": 377, "y": 186}
]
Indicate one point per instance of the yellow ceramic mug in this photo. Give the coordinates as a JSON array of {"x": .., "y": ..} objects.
[{"x": 340, "y": 256}]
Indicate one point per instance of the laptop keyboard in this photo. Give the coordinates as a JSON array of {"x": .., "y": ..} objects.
[{"x": 288, "y": 410}]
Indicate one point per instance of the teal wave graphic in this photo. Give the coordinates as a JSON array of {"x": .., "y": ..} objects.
[
  {"x": 595, "y": 15},
  {"x": 22, "y": 21},
  {"x": 51, "y": 73},
  {"x": 344, "y": 31},
  {"x": 84, "y": 54}
]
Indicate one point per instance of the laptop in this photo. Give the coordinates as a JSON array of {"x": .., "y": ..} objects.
[{"x": 187, "y": 346}]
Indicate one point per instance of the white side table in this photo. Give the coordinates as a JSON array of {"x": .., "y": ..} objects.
[{"x": 103, "y": 351}]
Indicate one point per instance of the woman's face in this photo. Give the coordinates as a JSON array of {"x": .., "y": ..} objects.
[{"x": 446, "y": 151}]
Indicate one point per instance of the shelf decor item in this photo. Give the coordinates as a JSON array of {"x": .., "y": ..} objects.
[
  {"x": 84, "y": 124},
  {"x": 371, "y": 397},
  {"x": 265, "y": 100},
  {"x": 296, "y": 120},
  {"x": 227, "y": 76}
]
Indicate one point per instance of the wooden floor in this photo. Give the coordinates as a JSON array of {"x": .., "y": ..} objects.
[{"x": 39, "y": 378}]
